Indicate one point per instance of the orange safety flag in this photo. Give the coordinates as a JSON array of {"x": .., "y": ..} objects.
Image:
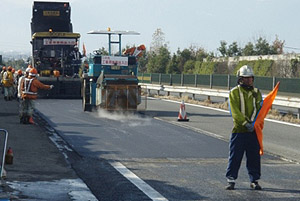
[
  {"x": 259, "y": 122},
  {"x": 83, "y": 49}
]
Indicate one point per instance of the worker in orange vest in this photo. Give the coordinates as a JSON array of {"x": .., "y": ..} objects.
[{"x": 30, "y": 87}]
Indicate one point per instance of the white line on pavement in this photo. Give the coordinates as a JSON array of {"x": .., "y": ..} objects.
[{"x": 138, "y": 182}]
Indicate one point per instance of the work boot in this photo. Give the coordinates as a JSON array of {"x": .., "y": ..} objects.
[
  {"x": 255, "y": 186},
  {"x": 30, "y": 120},
  {"x": 230, "y": 186},
  {"x": 5, "y": 98}
]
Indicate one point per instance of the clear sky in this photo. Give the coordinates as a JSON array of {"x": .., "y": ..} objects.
[{"x": 203, "y": 23}]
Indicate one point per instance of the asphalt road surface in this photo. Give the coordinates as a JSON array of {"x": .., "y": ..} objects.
[{"x": 151, "y": 156}]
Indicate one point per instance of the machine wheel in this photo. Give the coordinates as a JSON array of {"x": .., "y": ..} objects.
[{"x": 86, "y": 106}]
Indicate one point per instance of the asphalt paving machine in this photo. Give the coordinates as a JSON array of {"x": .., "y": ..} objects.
[
  {"x": 55, "y": 52},
  {"x": 111, "y": 82}
]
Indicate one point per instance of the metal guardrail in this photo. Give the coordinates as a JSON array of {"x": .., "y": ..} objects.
[
  {"x": 221, "y": 81},
  {"x": 279, "y": 100}
]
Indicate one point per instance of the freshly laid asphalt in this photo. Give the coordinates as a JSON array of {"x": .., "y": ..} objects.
[{"x": 37, "y": 163}]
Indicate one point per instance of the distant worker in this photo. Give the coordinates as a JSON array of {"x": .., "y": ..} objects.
[
  {"x": 29, "y": 89},
  {"x": 76, "y": 59},
  {"x": 8, "y": 82},
  {"x": 20, "y": 82},
  {"x": 1, "y": 77},
  {"x": 245, "y": 102},
  {"x": 75, "y": 54},
  {"x": 19, "y": 95},
  {"x": 16, "y": 81}
]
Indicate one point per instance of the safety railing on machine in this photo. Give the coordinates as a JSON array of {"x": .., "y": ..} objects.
[{"x": 2, "y": 174}]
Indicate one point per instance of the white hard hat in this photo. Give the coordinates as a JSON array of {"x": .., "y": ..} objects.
[
  {"x": 27, "y": 70},
  {"x": 245, "y": 71}
]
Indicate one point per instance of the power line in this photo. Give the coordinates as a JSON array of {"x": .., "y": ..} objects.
[{"x": 293, "y": 48}]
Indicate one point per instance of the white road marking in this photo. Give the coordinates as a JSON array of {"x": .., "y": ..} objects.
[{"x": 138, "y": 182}]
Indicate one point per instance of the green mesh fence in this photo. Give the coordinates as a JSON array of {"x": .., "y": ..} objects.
[
  {"x": 288, "y": 85},
  {"x": 155, "y": 78},
  {"x": 165, "y": 79},
  {"x": 264, "y": 83},
  {"x": 291, "y": 85},
  {"x": 144, "y": 77},
  {"x": 176, "y": 79},
  {"x": 220, "y": 80},
  {"x": 233, "y": 81},
  {"x": 203, "y": 80},
  {"x": 189, "y": 80}
]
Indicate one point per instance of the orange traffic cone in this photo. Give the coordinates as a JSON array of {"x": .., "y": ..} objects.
[
  {"x": 9, "y": 156},
  {"x": 182, "y": 113}
]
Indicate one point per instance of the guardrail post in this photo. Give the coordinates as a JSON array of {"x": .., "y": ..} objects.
[
  {"x": 274, "y": 80},
  {"x": 143, "y": 78},
  {"x": 151, "y": 78},
  {"x": 228, "y": 82},
  {"x": 196, "y": 79},
  {"x": 298, "y": 115},
  {"x": 171, "y": 80},
  {"x": 210, "y": 81},
  {"x": 182, "y": 80},
  {"x": 193, "y": 97}
]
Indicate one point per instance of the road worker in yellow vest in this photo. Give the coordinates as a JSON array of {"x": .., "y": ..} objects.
[
  {"x": 30, "y": 87},
  {"x": 8, "y": 82},
  {"x": 1, "y": 77},
  {"x": 245, "y": 102}
]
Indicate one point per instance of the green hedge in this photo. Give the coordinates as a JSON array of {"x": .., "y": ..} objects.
[{"x": 260, "y": 67}]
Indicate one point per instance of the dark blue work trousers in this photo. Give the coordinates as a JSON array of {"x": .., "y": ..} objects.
[{"x": 241, "y": 143}]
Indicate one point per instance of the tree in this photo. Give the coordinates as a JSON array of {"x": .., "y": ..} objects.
[
  {"x": 183, "y": 56},
  {"x": 158, "y": 62},
  {"x": 223, "y": 49},
  {"x": 233, "y": 50},
  {"x": 277, "y": 47},
  {"x": 262, "y": 46},
  {"x": 158, "y": 41},
  {"x": 172, "y": 66},
  {"x": 201, "y": 54},
  {"x": 142, "y": 62},
  {"x": 248, "y": 50},
  {"x": 189, "y": 66}
]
